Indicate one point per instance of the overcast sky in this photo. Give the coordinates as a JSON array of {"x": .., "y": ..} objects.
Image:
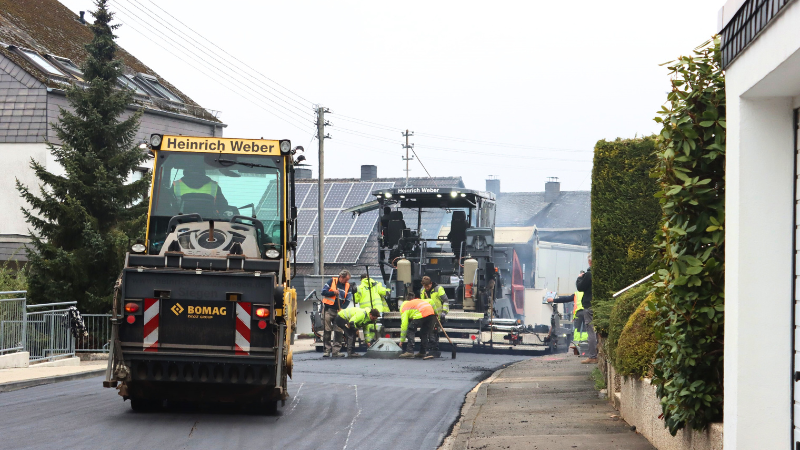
[{"x": 537, "y": 83}]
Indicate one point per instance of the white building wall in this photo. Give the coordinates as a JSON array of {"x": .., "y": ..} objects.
[{"x": 762, "y": 86}]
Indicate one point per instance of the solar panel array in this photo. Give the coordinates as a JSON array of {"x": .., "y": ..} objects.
[{"x": 345, "y": 236}]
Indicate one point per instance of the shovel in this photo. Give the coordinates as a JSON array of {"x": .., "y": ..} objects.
[{"x": 452, "y": 346}]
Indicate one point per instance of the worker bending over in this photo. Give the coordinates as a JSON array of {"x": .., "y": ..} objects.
[
  {"x": 371, "y": 295},
  {"x": 435, "y": 295},
  {"x": 350, "y": 320},
  {"x": 416, "y": 315}
]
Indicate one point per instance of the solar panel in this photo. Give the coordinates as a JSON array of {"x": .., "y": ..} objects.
[
  {"x": 305, "y": 217},
  {"x": 300, "y": 193},
  {"x": 337, "y": 194},
  {"x": 305, "y": 250},
  {"x": 343, "y": 224},
  {"x": 311, "y": 198},
  {"x": 330, "y": 215},
  {"x": 365, "y": 223},
  {"x": 352, "y": 249},
  {"x": 358, "y": 194},
  {"x": 333, "y": 245},
  {"x": 386, "y": 185}
]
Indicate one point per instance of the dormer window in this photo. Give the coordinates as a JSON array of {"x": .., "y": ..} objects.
[
  {"x": 156, "y": 88},
  {"x": 41, "y": 62}
]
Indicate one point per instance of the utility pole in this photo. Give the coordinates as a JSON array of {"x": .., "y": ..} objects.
[
  {"x": 321, "y": 136},
  {"x": 407, "y": 146}
]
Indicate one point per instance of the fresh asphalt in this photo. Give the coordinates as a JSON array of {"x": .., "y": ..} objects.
[{"x": 333, "y": 404}]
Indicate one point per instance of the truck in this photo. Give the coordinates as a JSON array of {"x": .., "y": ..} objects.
[
  {"x": 486, "y": 309},
  {"x": 204, "y": 309}
]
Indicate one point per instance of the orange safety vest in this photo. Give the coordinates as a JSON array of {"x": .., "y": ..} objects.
[
  {"x": 335, "y": 287},
  {"x": 424, "y": 308}
]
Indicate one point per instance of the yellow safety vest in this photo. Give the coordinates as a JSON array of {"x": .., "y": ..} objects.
[
  {"x": 435, "y": 299},
  {"x": 180, "y": 188}
]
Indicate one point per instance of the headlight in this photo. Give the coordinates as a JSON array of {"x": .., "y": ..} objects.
[
  {"x": 388, "y": 195},
  {"x": 155, "y": 140},
  {"x": 453, "y": 194},
  {"x": 272, "y": 253},
  {"x": 138, "y": 248},
  {"x": 286, "y": 147}
]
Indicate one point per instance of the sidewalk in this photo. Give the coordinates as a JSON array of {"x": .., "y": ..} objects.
[
  {"x": 14, "y": 379},
  {"x": 546, "y": 402}
]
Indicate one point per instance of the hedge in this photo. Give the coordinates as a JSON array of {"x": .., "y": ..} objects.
[
  {"x": 625, "y": 219},
  {"x": 623, "y": 308},
  {"x": 637, "y": 344}
]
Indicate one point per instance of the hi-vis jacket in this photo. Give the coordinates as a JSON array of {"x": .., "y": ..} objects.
[
  {"x": 412, "y": 310},
  {"x": 331, "y": 292},
  {"x": 362, "y": 296},
  {"x": 180, "y": 188},
  {"x": 437, "y": 298},
  {"x": 356, "y": 316}
]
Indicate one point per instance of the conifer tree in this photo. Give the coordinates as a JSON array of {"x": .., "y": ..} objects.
[{"x": 84, "y": 221}]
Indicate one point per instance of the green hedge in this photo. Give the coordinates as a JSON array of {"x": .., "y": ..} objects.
[
  {"x": 623, "y": 308},
  {"x": 637, "y": 344},
  {"x": 625, "y": 219}
]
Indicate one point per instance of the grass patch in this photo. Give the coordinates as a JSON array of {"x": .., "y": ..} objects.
[{"x": 599, "y": 379}]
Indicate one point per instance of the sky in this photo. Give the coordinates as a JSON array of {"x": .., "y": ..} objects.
[{"x": 519, "y": 90}]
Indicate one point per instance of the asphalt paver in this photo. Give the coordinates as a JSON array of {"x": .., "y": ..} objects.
[
  {"x": 334, "y": 403},
  {"x": 546, "y": 403}
]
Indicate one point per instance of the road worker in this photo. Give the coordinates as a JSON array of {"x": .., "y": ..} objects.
[
  {"x": 580, "y": 334},
  {"x": 350, "y": 320},
  {"x": 335, "y": 297},
  {"x": 416, "y": 315},
  {"x": 371, "y": 295},
  {"x": 435, "y": 295}
]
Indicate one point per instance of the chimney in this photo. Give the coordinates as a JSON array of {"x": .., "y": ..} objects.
[
  {"x": 82, "y": 19},
  {"x": 302, "y": 174},
  {"x": 369, "y": 172},
  {"x": 493, "y": 185},
  {"x": 552, "y": 189}
]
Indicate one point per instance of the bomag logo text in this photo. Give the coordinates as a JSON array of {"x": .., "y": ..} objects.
[{"x": 206, "y": 312}]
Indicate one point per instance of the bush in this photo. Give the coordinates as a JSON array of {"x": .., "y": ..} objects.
[
  {"x": 622, "y": 310},
  {"x": 12, "y": 279},
  {"x": 625, "y": 219},
  {"x": 637, "y": 344},
  {"x": 691, "y": 275}
]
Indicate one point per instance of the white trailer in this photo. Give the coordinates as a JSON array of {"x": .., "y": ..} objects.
[{"x": 558, "y": 266}]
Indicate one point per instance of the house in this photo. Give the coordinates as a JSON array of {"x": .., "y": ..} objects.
[
  {"x": 41, "y": 52},
  {"x": 760, "y": 46}
]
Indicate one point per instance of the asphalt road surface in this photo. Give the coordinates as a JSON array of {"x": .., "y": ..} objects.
[{"x": 333, "y": 404}]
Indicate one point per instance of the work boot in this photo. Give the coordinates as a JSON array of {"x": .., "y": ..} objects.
[
  {"x": 353, "y": 355},
  {"x": 337, "y": 355},
  {"x": 428, "y": 357},
  {"x": 589, "y": 361},
  {"x": 326, "y": 355},
  {"x": 406, "y": 355},
  {"x": 419, "y": 355}
]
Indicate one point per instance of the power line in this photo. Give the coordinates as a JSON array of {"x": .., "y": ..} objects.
[
  {"x": 235, "y": 58},
  {"x": 207, "y": 63},
  {"x": 218, "y": 81}
]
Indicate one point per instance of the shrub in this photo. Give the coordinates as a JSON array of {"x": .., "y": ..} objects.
[
  {"x": 13, "y": 279},
  {"x": 691, "y": 275},
  {"x": 637, "y": 343},
  {"x": 623, "y": 308},
  {"x": 625, "y": 219}
]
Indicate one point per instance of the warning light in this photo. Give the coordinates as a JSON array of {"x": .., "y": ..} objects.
[
  {"x": 131, "y": 307},
  {"x": 262, "y": 324},
  {"x": 131, "y": 319},
  {"x": 262, "y": 312},
  {"x": 388, "y": 335},
  {"x": 473, "y": 337}
]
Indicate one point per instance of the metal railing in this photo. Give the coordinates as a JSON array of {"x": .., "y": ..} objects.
[
  {"x": 99, "y": 328},
  {"x": 48, "y": 334},
  {"x": 12, "y": 321}
]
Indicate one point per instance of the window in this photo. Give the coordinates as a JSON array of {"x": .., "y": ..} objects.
[
  {"x": 43, "y": 64},
  {"x": 127, "y": 82},
  {"x": 153, "y": 85},
  {"x": 67, "y": 64}
]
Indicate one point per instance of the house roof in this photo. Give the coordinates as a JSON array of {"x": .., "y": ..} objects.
[
  {"x": 572, "y": 209},
  {"x": 48, "y": 27}
]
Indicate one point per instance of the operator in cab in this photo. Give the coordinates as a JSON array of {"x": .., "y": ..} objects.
[{"x": 196, "y": 185}]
